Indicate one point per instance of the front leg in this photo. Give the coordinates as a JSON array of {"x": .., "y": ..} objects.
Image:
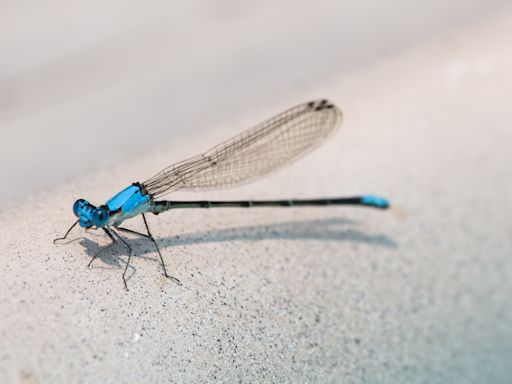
[{"x": 67, "y": 233}]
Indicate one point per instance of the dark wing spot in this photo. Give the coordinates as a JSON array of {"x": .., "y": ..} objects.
[
  {"x": 321, "y": 105},
  {"x": 324, "y": 104}
]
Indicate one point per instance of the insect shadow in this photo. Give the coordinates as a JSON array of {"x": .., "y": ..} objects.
[{"x": 330, "y": 229}]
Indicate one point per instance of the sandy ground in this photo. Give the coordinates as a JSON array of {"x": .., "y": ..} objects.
[{"x": 419, "y": 294}]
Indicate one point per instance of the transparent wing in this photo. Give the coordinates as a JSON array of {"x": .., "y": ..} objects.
[{"x": 252, "y": 154}]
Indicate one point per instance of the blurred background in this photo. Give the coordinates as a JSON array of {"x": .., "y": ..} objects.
[{"x": 84, "y": 85}]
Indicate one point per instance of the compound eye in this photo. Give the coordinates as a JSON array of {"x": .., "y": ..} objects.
[
  {"x": 100, "y": 217},
  {"x": 78, "y": 206}
]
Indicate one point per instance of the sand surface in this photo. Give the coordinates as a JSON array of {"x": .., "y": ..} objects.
[{"x": 419, "y": 294}]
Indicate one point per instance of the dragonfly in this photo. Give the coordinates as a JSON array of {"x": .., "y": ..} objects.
[{"x": 254, "y": 153}]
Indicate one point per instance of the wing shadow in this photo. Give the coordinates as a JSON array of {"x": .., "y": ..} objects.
[{"x": 331, "y": 229}]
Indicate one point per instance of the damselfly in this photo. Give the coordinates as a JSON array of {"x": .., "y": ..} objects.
[{"x": 254, "y": 153}]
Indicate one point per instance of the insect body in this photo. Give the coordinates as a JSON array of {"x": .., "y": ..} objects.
[{"x": 248, "y": 156}]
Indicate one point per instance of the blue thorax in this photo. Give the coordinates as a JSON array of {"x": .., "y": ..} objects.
[{"x": 128, "y": 203}]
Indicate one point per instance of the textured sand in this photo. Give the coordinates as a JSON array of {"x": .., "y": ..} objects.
[{"x": 420, "y": 294}]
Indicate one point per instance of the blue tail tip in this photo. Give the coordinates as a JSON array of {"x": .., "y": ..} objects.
[{"x": 375, "y": 201}]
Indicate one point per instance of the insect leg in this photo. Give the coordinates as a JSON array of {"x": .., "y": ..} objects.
[
  {"x": 129, "y": 256},
  {"x": 158, "y": 250},
  {"x": 67, "y": 233},
  {"x": 104, "y": 249}
]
